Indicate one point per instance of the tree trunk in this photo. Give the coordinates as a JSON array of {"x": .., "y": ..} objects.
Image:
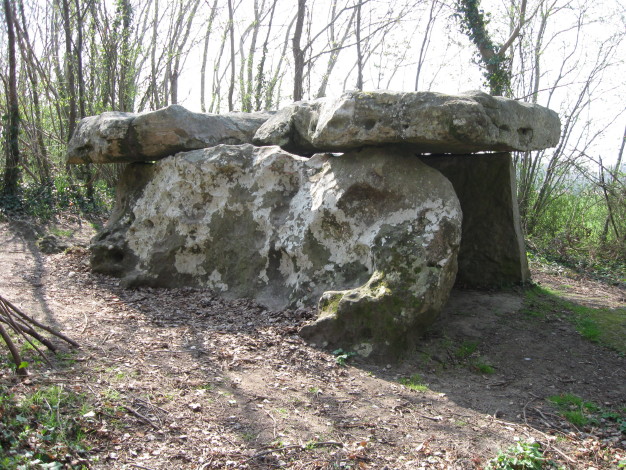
[
  {"x": 69, "y": 70},
  {"x": 12, "y": 169},
  {"x": 359, "y": 52},
  {"x": 205, "y": 53},
  {"x": 432, "y": 16},
  {"x": 493, "y": 58},
  {"x": 156, "y": 101},
  {"x": 231, "y": 88},
  {"x": 86, "y": 171},
  {"x": 260, "y": 75},
  {"x": 298, "y": 53},
  {"x": 125, "y": 95},
  {"x": 43, "y": 162}
]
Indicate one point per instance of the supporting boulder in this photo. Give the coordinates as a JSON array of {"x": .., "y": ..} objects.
[
  {"x": 374, "y": 235},
  {"x": 493, "y": 253}
]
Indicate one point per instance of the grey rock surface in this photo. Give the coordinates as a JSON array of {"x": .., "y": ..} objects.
[
  {"x": 427, "y": 122},
  {"x": 493, "y": 252},
  {"x": 116, "y": 137},
  {"x": 372, "y": 238}
]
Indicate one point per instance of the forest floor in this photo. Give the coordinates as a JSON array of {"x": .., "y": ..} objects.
[{"x": 182, "y": 379}]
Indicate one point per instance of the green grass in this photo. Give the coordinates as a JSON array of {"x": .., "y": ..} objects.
[
  {"x": 249, "y": 436},
  {"x": 482, "y": 367},
  {"x": 466, "y": 349},
  {"x": 43, "y": 426},
  {"x": 60, "y": 232},
  {"x": 605, "y": 326},
  {"x": 207, "y": 387},
  {"x": 570, "y": 233},
  {"x": 415, "y": 382},
  {"x": 582, "y": 413}
]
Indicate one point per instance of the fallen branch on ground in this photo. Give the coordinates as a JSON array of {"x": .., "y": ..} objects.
[
  {"x": 24, "y": 325},
  {"x": 310, "y": 445}
]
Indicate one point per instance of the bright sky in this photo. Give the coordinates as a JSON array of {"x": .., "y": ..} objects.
[{"x": 449, "y": 65}]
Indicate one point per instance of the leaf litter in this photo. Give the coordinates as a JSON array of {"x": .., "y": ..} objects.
[{"x": 183, "y": 378}]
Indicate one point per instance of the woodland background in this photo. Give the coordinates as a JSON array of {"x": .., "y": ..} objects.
[{"x": 61, "y": 60}]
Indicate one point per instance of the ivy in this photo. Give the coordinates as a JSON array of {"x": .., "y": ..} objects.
[{"x": 473, "y": 23}]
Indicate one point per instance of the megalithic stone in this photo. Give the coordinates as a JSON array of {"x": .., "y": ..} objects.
[
  {"x": 116, "y": 137},
  {"x": 372, "y": 239},
  {"x": 423, "y": 121},
  {"x": 493, "y": 252}
]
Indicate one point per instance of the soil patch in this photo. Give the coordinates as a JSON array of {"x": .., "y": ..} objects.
[{"x": 181, "y": 378}]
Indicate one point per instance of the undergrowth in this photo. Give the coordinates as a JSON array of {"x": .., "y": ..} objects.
[
  {"x": 42, "y": 427},
  {"x": 609, "y": 267},
  {"x": 44, "y": 202},
  {"x": 521, "y": 456}
]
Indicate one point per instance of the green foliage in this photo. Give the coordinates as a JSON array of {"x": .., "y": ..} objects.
[
  {"x": 314, "y": 391},
  {"x": 521, "y": 456},
  {"x": 473, "y": 22},
  {"x": 572, "y": 230},
  {"x": 43, "y": 202},
  {"x": 42, "y": 427},
  {"x": 482, "y": 367},
  {"x": 341, "y": 356},
  {"x": 466, "y": 349}
]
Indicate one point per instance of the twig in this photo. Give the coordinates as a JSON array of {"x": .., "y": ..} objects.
[
  {"x": 85, "y": 325},
  {"x": 152, "y": 405},
  {"x": 140, "y": 416},
  {"x": 30, "y": 331},
  {"x": 140, "y": 466},
  {"x": 20, "y": 331},
  {"x": 312, "y": 445},
  {"x": 206, "y": 464},
  {"x": 435, "y": 418},
  {"x": 14, "y": 352},
  {"x": 524, "y": 410},
  {"x": 29, "y": 319}
]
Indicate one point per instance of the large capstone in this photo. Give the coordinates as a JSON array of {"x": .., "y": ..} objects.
[
  {"x": 116, "y": 137},
  {"x": 424, "y": 121},
  {"x": 371, "y": 237}
]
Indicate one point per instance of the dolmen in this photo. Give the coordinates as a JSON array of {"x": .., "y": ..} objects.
[{"x": 369, "y": 207}]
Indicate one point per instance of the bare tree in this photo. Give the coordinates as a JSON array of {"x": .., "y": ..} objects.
[
  {"x": 231, "y": 24},
  {"x": 544, "y": 176},
  {"x": 359, "y": 52},
  {"x": 205, "y": 53},
  {"x": 298, "y": 53},
  {"x": 336, "y": 44},
  {"x": 433, "y": 12},
  {"x": 12, "y": 161}
]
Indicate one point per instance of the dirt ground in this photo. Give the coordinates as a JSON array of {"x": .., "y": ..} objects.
[{"x": 182, "y": 379}]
